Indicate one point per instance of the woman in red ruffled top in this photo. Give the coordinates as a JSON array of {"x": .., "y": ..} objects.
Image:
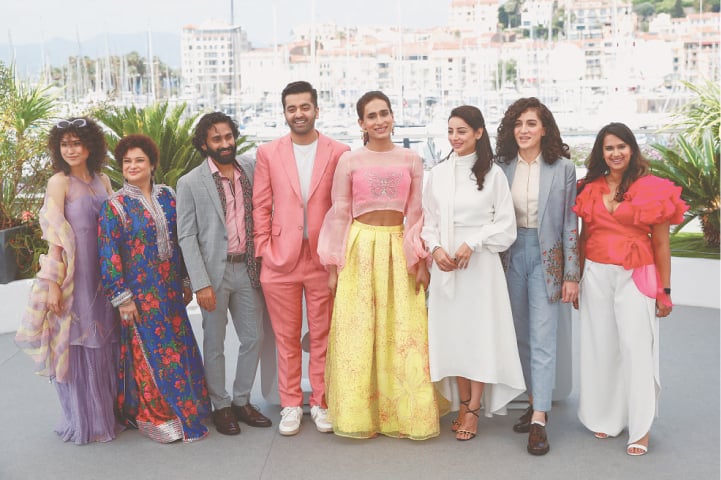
[{"x": 626, "y": 285}]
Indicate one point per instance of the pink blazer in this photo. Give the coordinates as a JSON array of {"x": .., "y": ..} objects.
[{"x": 278, "y": 204}]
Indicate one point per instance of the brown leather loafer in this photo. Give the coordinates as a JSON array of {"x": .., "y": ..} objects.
[
  {"x": 537, "y": 440},
  {"x": 250, "y": 415},
  {"x": 524, "y": 421},
  {"x": 225, "y": 422}
]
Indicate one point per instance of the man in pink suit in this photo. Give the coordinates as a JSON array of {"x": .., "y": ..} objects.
[{"x": 291, "y": 195}]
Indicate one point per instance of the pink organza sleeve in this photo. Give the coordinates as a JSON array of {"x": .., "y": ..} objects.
[
  {"x": 656, "y": 200},
  {"x": 334, "y": 231},
  {"x": 413, "y": 245}
]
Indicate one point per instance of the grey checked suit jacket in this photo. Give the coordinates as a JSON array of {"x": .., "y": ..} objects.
[{"x": 201, "y": 224}]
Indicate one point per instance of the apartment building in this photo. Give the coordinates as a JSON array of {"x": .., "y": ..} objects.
[{"x": 210, "y": 59}]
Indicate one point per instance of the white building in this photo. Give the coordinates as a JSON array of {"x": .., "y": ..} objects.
[
  {"x": 210, "y": 59},
  {"x": 596, "y": 18},
  {"x": 428, "y": 70},
  {"x": 477, "y": 15},
  {"x": 537, "y": 12}
]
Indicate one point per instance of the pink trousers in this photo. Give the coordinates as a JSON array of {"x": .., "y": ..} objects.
[{"x": 284, "y": 299}]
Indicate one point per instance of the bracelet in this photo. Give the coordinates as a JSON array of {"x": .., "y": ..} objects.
[
  {"x": 434, "y": 249},
  {"x": 121, "y": 297}
]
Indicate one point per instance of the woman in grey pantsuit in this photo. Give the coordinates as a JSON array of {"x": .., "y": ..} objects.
[{"x": 542, "y": 265}]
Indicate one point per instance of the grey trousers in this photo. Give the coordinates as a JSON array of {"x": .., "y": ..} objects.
[
  {"x": 535, "y": 318},
  {"x": 245, "y": 304}
]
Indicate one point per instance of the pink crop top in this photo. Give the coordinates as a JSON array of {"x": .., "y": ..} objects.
[{"x": 367, "y": 181}]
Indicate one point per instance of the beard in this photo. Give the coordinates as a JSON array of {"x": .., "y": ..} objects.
[{"x": 222, "y": 156}]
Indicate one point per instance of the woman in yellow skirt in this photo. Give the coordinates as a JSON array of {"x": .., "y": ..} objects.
[{"x": 377, "y": 374}]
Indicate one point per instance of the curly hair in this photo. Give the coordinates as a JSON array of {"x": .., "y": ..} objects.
[
  {"x": 484, "y": 154},
  {"x": 364, "y": 100},
  {"x": 638, "y": 166},
  {"x": 300, "y": 87},
  {"x": 143, "y": 142},
  {"x": 552, "y": 146},
  {"x": 204, "y": 125},
  {"x": 90, "y": 135}
]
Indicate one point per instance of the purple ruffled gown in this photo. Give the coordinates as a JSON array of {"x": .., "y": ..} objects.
[{"x": 88, "y": 397}]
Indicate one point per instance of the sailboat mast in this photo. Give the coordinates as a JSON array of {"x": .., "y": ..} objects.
[{"x": 151, "y": 64}]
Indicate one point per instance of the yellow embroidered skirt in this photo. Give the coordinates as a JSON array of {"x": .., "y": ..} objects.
[{"x": 377, "y": 374}]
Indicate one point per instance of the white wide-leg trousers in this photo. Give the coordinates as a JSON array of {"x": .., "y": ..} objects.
[{"x": 619, "y": 376}]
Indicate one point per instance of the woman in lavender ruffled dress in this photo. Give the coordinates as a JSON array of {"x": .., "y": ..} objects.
[{"x": 69, "y": 328}]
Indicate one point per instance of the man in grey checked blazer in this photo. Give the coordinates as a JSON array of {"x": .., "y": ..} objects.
[{"x": 215, "y": 231}]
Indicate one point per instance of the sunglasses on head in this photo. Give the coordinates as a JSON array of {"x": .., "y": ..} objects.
[{"x": 78, "y": 122}]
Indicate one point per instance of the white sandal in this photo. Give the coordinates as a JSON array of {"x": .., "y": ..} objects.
[{"x": 643, "y": 449}]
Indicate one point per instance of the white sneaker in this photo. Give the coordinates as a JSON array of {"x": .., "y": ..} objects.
[
  {"x": 320, "y": 418},
  {"x": 290, "y": 420}
]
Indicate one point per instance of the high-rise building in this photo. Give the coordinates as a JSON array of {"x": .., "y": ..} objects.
[{"x": 210, "y": 61}]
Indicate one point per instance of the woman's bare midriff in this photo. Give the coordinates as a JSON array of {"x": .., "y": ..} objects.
[{"x": 381, "y": 218}]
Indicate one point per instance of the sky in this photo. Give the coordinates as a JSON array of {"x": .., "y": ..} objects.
[{"x": 37, "y": 21}]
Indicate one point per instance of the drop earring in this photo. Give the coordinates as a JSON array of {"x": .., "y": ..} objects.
[{"x": 365, "y": 137}]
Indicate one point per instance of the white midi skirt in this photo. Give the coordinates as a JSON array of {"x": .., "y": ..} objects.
[{"x": 471, "y": 333}]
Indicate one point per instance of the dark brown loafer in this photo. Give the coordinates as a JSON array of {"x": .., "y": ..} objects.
[
  {"x": 250, "y": 415},
  {"x": 524, "y": 421},
  {"x": 225, "y": 422},
  {"x": 537, "y": 440}
]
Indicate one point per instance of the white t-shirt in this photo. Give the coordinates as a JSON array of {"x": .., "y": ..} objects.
[{"x": 304, "y": 160}]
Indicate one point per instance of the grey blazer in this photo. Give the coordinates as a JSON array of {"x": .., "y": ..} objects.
[
  {"x": 201, "y": 224},
  {"x": 557, "y": 222}
]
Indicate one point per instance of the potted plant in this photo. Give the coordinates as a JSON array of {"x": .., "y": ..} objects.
[{"x": 25, "y": 113}]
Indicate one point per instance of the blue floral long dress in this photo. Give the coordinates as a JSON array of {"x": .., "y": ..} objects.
[{"x": 162, "y": 389}]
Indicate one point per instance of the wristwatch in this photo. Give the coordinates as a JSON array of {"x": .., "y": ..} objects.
[{"x": 667, "y": 290}]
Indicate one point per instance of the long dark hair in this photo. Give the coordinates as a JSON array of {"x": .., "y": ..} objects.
[
  {"x": 638, "y": 166},
  {"x": 484, "y": 154},
  {"x": 552, "y": 146},
  {"x": 364, "y": 100},
  {"x": 90, "y": 135}
]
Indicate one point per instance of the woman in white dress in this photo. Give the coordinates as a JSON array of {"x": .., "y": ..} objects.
[{"x": 469, "y": 220}]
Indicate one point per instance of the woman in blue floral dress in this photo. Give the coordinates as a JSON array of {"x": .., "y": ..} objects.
[{"x": 162, "y": 388}]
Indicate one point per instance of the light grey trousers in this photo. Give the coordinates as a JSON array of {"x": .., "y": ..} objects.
[{"x": 245, "y": 305}]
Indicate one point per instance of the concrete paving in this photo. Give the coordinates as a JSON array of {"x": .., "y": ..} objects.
[{"x": 684, "y": 439}]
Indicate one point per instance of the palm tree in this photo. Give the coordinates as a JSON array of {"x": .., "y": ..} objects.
[
  {"x": 25, "y": 114},
  {"x": 703, "y": 114},
  {"x": 695, "y": 168},
  {"x": 167, "y": 127}
]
